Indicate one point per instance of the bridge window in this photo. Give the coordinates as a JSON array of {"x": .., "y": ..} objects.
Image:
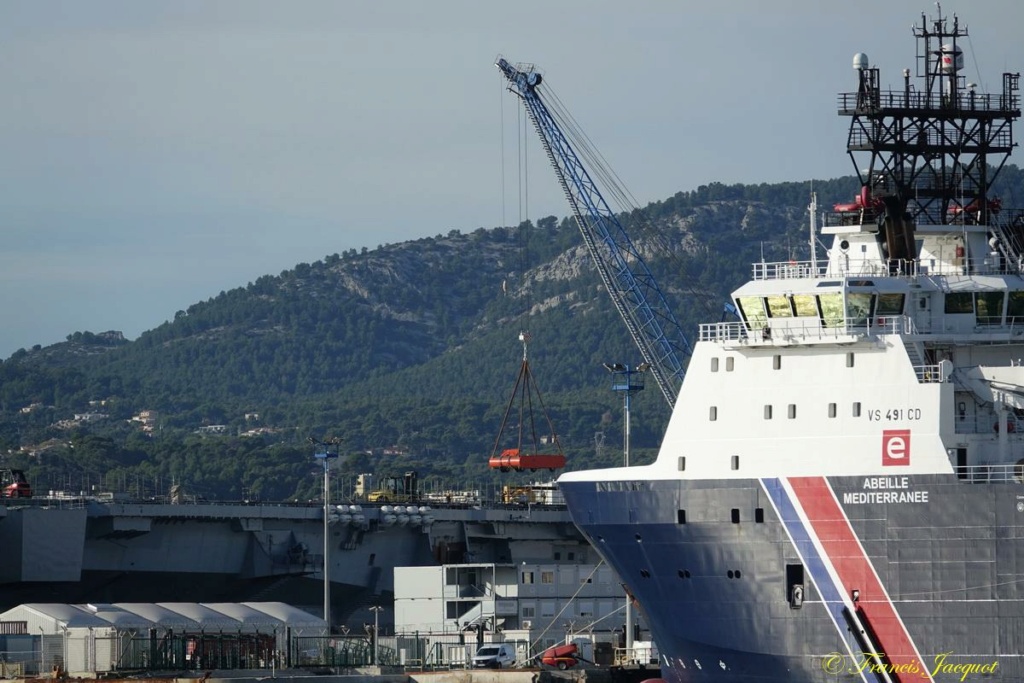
[
  {"x": 960, "y": 302},
  {"x": 752, "y": 309},
  {"x": 858, "y": 307},
  {"x": 988, "y": 307},
  {"x": 792, "y": 411},
  {"x": 768, "y": 412},
  {"x": 729, "y": 363},
  {"x": 856, "y": 409},
  {"x": 1015, "y": 308},
  {"x": 831, "y": 409},
  {"x": 831, "y": 309},
  {"x": 713, "y": 413},
  {"x": 889, "y": 304},
  {"x": 849, "y": 359},
  {"x": 779, "y": 307},
  {"x": 805, "y": 305},
  {"x": 714, "y": 364}
]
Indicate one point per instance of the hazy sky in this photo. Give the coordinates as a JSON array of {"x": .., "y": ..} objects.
[{"x": 156, "y": 153}]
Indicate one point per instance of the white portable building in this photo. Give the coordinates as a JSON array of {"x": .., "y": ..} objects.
[{"x": 71, "y": 637}]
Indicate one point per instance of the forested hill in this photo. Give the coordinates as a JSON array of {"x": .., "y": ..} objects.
[{"x": 408, "y": 352}]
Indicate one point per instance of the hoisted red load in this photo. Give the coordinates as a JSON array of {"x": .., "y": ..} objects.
[{"x": 526, "y": 456}]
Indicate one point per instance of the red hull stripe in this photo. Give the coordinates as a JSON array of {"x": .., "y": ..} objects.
[{"x": 855, "y": 572}]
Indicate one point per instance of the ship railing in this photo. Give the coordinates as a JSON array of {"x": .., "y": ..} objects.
[
  {"x": 782, "y": 331},
  {"x": 994, "y": 263},
  {"x": 928, "y": 373},
  {"x": 874, "y": 100},
  {"x": 983, "y": 474},
  {"x": 788, "y": 270}
]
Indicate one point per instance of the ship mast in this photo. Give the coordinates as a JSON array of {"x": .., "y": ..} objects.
[
  {"x": 928, "y": 147},
  {"x": 812, "y": 209}
]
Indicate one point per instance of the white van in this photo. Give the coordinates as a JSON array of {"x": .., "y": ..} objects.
[{"x": 494, "y": 656}]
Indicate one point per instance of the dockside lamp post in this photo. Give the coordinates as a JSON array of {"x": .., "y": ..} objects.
[
  {"x": 322, "y": 452},
  {"x": 629, "y": 381},
  {"x": 376, "y": 636}
]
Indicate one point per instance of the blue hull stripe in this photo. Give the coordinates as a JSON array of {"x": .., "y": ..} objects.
[{"x": 809, "y": 554}]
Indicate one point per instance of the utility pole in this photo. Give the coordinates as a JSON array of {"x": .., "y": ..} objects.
[{"x": 629, "y": 381}]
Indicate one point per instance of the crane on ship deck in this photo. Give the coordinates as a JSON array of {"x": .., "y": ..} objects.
[{"x": 626, "y": 277}]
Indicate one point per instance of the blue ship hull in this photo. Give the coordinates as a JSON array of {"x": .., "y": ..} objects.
[{"x": 762, "y": 580}]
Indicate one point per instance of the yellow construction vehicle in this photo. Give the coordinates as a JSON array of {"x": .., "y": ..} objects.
[{"x": 402, "y": 489}]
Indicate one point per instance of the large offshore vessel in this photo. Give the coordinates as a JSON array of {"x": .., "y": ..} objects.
[{"x": 839, "y": 495}]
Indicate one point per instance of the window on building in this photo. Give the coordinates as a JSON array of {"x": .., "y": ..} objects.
[
  {"x": 527, "y": 577},
  {"x": 547, "y": 577}
]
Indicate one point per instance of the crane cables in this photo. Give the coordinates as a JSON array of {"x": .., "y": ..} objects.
[{"x": 625, "y": 203}]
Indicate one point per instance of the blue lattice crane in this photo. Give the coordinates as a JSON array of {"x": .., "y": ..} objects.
[{"x": 627, "y": 278}]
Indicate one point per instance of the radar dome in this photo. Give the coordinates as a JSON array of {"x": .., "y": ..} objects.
[{"x": 860, "y": 61}]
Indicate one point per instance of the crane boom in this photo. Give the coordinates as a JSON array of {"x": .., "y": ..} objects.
[{"x": 628, "y": 280}]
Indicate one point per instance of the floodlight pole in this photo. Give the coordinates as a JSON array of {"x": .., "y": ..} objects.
[
  {"x": 322, "y": 452},
  {"x": 629, "y": 381},
  {"x": 376, "y": 635}
]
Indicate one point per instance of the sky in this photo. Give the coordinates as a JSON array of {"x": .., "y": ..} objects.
[{"x": 154, "y": 154}]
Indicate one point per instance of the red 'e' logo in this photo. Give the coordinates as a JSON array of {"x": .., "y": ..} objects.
[{"x": 895, "y": 447}]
